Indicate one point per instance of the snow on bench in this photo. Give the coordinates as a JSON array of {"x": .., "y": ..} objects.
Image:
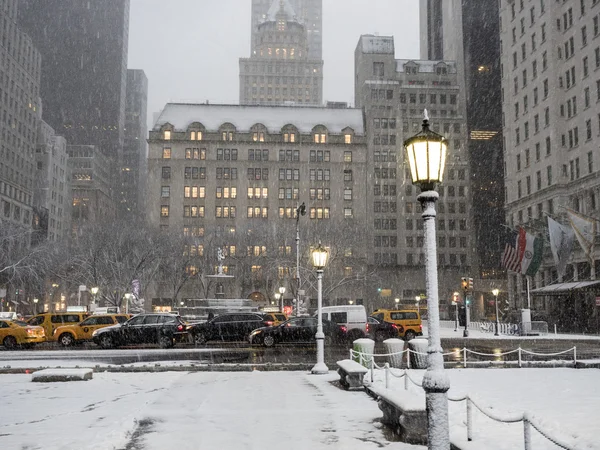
[
  {"x": 404, "y": 412},
  {"x": 51, "y": 375},
  {"x": 351, "y": 374}
]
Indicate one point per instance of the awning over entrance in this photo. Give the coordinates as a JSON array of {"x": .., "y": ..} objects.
[{"x": 563, "y": 287}]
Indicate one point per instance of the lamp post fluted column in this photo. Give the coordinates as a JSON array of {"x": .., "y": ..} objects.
[
  {"x": 496, "y": 292},
  {"x": 300, "y": 211},
  {"x": 320, "y": 367}
]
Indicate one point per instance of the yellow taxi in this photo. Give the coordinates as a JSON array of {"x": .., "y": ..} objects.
[
  {"x": 51, "y": 321},
  {"x": 275, "y": 318},
  {"x": 68, "y": 335},
  {"x": 408, "y": 321},
  {"x": 16, "y": 332}
]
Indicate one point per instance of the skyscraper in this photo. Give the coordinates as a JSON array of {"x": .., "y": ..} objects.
[
  {"x": 280, "y": 69},
  {"x": 84, "y": 69},
  {"x": 20, "y": 68},
  {"x": 308, "y": 12},
  {"x": 468, "y": 32}
]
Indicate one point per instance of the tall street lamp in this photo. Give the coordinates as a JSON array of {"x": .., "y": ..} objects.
[
  {"x": 496, "y": 292},
  {"x": 35, "y": 302},
  {"x": 300, "y": 211},
  {"x": 127, "y": 297},
  {"x": 418, "y": 304},
  {"x": 277, "y": 297},
  {"x": 426, "y": 154},
  {"x": 94, "y": 291},
  {"x": 281, "y": 292},
  {"x": 319, "y": 260}
]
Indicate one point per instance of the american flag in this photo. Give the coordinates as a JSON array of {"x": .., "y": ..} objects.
[{"x": 511, "y": 258}]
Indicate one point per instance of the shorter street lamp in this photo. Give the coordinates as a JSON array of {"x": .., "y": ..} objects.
[
  {"x": 35, "y": 302},
  {"x": 426, "y": 156},
  {"x": 127, "y": 297},
  {"x": 418, "y": 304},
  {"x": 396, "y": 301},
  {"x": 94, "y": 291},
  {"x": 496, "y": 292},
  {"x": 281, "y": 291},
  {"x": 319, "y": 260},
  {"x": 277, "y": 297}
]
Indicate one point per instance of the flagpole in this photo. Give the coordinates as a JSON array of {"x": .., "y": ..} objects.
[{"x": 528, "y": 294}]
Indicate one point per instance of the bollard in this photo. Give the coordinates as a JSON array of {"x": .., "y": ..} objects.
[
  {"x": 405, "y": 380},
  {"x": 469, "y": 420},
  {"x": 526, "y": 432},
  {"x": 408, "y": 358},
  {"x": 575, "y": 355},
  {"x": 386, "y": 367},
  {"x": 554, "y": 328},
  {"x": 394, "y": 348},
  {"x": 520, "y": 356},
  {"x": 464, "y": 356},
  {"x": 372, "y": 366}
]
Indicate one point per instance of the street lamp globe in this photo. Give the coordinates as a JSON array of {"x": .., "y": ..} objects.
[
  {"x": 282, "y": 290},
  {"x": 495, "y": 292},
  {"x": 277, "y": 296},
  {"x": 319, "y": 260},
  {"x": 94, "y": 290},
  {"x": 426, "y": 156}
]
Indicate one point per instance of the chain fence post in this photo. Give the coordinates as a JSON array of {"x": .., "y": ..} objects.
[
  {"x": 406, "y": 380},
  {"x": 372, "y": 366},
  {"x": 469, "y": 420},
  {"x": 575, "y": 355},
  {"x": 408, "y": 358},
  {"x": 520, "y": 356},
  {"x": 387, "y": 375},
  {"x": 464, "y": 356},
  {"x": 526, "y": 432}
]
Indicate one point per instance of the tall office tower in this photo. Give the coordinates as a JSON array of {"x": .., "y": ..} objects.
[
  {"x": 90, "y": 187},
  {"x": 20, "y": 68},
  {"x": 394, "y": 93},
  {"x": 135, "y": 150},
  {"x": 84, "y": 69},
  {"x": 309, "y": 13},
  {"x": 280, "y": 69},
  {"x": 232, "y": 177},
  {"x": 52, "y": 198},
  {"x": 468, "y": 32},
  {"x": 550, "y": 91}
]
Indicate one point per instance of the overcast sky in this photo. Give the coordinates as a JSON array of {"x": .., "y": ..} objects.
[{"x": 189, "y": 49}]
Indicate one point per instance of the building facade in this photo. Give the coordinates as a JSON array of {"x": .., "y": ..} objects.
[
  {"x": 84, "y": 69},
  {"x": 280, "y": 69},
  {"x": 52, "y": 198},
  {"x": 20, "y": 106},
  {"x": 393, "y": 93},
  {"x": 90, "y": 186},
  {"x": 468, "y": 32},
  {"x": 309, "y": 13},
  {"x": 550, "y": 90},
  {"x": 233, "y": 177},
  {"x": 135, "y": 150}
]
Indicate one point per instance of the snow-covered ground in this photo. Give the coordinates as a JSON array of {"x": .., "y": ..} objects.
[{"x": 268, "y": 410}]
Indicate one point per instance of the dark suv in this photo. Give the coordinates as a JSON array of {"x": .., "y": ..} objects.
[
  {"x": 228, "y": 327},
  {"x": 162, "y": 329}
]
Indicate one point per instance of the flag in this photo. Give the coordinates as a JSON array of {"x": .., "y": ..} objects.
[
  {"x": 510, "y": 255},
  {"x": 561, "y": 244},
  {"x": 530, "y": 250},
  {"x": 585, "y": 229}
]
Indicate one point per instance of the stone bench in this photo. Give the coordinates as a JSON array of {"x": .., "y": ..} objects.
[
  {"x": 351, "y": 374},
  {"x": 53, "y": 375},
  {"x": 404, "y": 413}
]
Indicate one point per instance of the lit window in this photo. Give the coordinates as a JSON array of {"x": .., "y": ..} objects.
[
  {"x": 348, "y": 139},
  {"x": 320, "y": 138},
  {"x": 347, "y": 213},
  {"x": 193, "y": 135},
  {"x": 167, "y": 153},
  {"x": 167, "y": 135},
  {"x": 164, "y": 211},
  {"x": 348, "y": 157}
]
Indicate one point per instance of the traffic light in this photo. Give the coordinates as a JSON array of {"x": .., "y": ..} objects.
[
  {"x": 464, "y": 283},
  {"x": 470, "y": 284},
  {"x": 378, "y": 289}
]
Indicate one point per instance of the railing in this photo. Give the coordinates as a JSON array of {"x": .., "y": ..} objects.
[
  {"x": 487, "y": 326},
  {"x": 526, "y": 418}
]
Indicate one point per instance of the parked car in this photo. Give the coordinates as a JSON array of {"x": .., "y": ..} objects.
[
  {"x": 378, "y": 330},
  {"x": 228, "y": 327},
  {"x": 297, "y": 330},
  {"x": 16, "y": 332},
  {"x": 409, "y": 319},
  {"x": 72, "y": 334},
  {"x": 51, "y": 321},
  {"x": 353, "y": 317},
  {"x": 163, "y": 329}
]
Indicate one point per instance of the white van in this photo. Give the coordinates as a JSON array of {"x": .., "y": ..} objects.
[{"x": 353, "y": 317}]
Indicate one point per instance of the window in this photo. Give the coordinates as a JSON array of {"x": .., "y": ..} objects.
[
  {"x": 224, "y": 212},
  {"x": 166, "y": 173},
  {"x": 378, "y": 69},
  {"x": 167, "y": 135},
  {"x": 165, "y": 191},
  {"x": 289, "y": 137},
  {"x": 320, "y": 138},
  {"x": 348, "y": 139},
  {"x": 196, "y": 153},
  {"x": 166, "y": 153},
  {"x": 258, "y": 212},
  {"x": 348, "y": 194},
  {"x": 164, "y": 211}
]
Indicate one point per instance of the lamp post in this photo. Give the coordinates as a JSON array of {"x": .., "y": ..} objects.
[
  {"x": 418, "y": 304},
  {"x": 94, "y": 291},
  {"x": 426, "y": 154},
  {"x": 300, "y": 211},
  {"x": 281, "y": 292},
  {"x": 319, "y": 260},
  {"x": 455, "y": 303},
  {"x": 127, "y": 297},
  {"x": 496, "y": 292},
  {"x": 35, "y": 302},
  {"x": 277, "y": 297},
  {"x": 397, "y": 302}
]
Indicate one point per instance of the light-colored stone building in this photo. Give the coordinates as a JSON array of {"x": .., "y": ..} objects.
[
  {"x": 280, "y": 70},
  {"x": 52, "y": 198},
  {"x": 394, "y": 93},
  {"x": 550, "y": 94},
  {"x": 233, "y": 177}
]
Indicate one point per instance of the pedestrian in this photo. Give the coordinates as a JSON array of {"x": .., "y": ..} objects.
[{"x": 210, "y": 315}]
